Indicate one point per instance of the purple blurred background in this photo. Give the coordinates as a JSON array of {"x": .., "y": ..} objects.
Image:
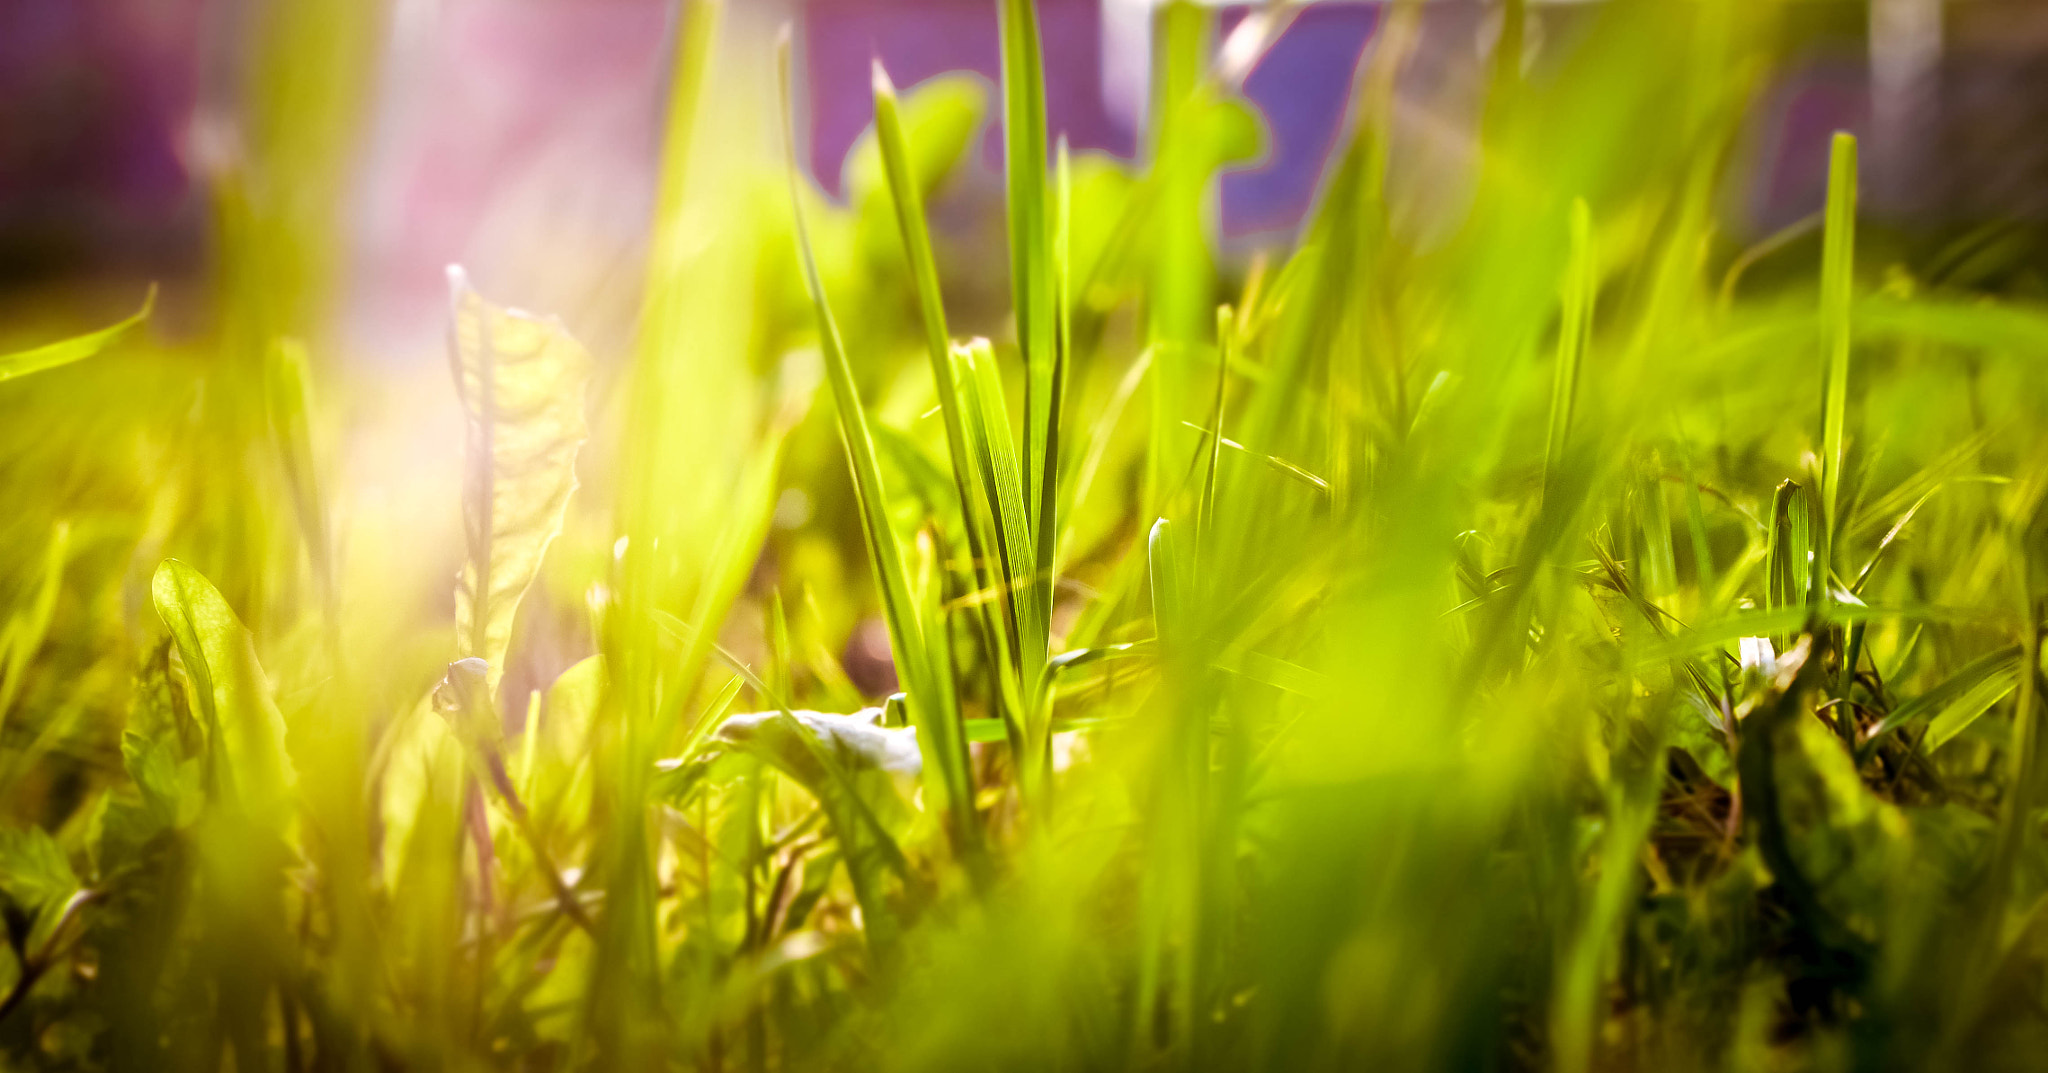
[
  {"x": 97, "y": 96},
  {"x": 492, "y": 111}
]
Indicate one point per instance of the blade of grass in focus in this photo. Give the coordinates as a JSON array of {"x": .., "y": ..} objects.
[
  {"x": 1836, "y": 283},
  {"x": 938, "y": 727},
  {"x": 915, "y": 232},
  {"x": 1032, "y": 271}
]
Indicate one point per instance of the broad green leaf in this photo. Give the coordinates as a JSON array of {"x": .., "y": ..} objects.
[
  {"x": 34, "y": 871},
  {"x": 246, "y": 760},
  {"x": 1841, "y": 833},
  {"x": 170, "y": 796},
  {"x": 77, "y": 348},
  {"x": 521, "y": 380},
  {"x": 419, "y": 776},
  {"x": 36, "y": 876},
  {"x": 170, "y": 787},
  {"x": 1098, "y": 251},
  {"x": 572, "y": 706}
]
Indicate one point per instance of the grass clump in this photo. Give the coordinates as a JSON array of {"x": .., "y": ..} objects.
[{"x": 1464, "y": 638}]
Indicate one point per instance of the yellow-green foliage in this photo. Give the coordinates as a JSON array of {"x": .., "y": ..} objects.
[{"x": 1522, "y": 622}]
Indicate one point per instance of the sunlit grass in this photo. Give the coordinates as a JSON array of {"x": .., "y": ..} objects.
[{"x": 1507, "y": 627}]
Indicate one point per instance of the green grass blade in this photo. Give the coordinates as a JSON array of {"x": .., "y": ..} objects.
[
  {"x": 77, "y": 348},
  {"x": 913, "y": 228},
  {"x": 938, "y": 729},
  {"x": 1837, "y": 279},
  {"x": 1047, "y": 481},
  {"x": 995, "y": 458},
  {"x": 1659, "y": 565},
  {"x": 1964, "y": 710},
  {"x": 1786, "y": 565},
  {"x": 1169, "y": 590},
  {"x": 1998, "y": 666},
  {"x": 915, "y": 231},
  {"x": 1206, "y": 510},
  {"x": 1031, "y": 263},
  {"x": 1177, "y": 302},
  {"x": 1704, "y": 577}
]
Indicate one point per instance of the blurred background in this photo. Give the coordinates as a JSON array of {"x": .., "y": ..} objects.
[{"x": 492, "y": 123}]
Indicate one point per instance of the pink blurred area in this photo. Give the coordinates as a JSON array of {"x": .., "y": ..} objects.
[
  {"x": 514, "y": 136},
  {"x": 518, "y": 136},
  {"x": 506, "y": 131}
]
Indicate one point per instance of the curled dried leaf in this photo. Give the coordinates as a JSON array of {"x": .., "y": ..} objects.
[{"x": 521, "y": 379}]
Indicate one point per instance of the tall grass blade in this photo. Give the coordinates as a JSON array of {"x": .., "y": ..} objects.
[
  {"x": 1837, "y": 281},
  {"x": 1046, "y": 483},
  {"x": 1031, "y": 264},
  {"x": 938, "y": 729},
  {"x": 994, "y": 457},
  {"x": 1226, "y": 350},
  {"x": 908, "y": 201},
  {"x": 78, "y": 348}
]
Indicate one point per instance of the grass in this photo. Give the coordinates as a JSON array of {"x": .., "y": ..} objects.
[{"x": 1445, "y": 641}]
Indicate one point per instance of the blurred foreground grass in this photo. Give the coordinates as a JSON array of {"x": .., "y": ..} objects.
[{"x": 1535, "y": 634}]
